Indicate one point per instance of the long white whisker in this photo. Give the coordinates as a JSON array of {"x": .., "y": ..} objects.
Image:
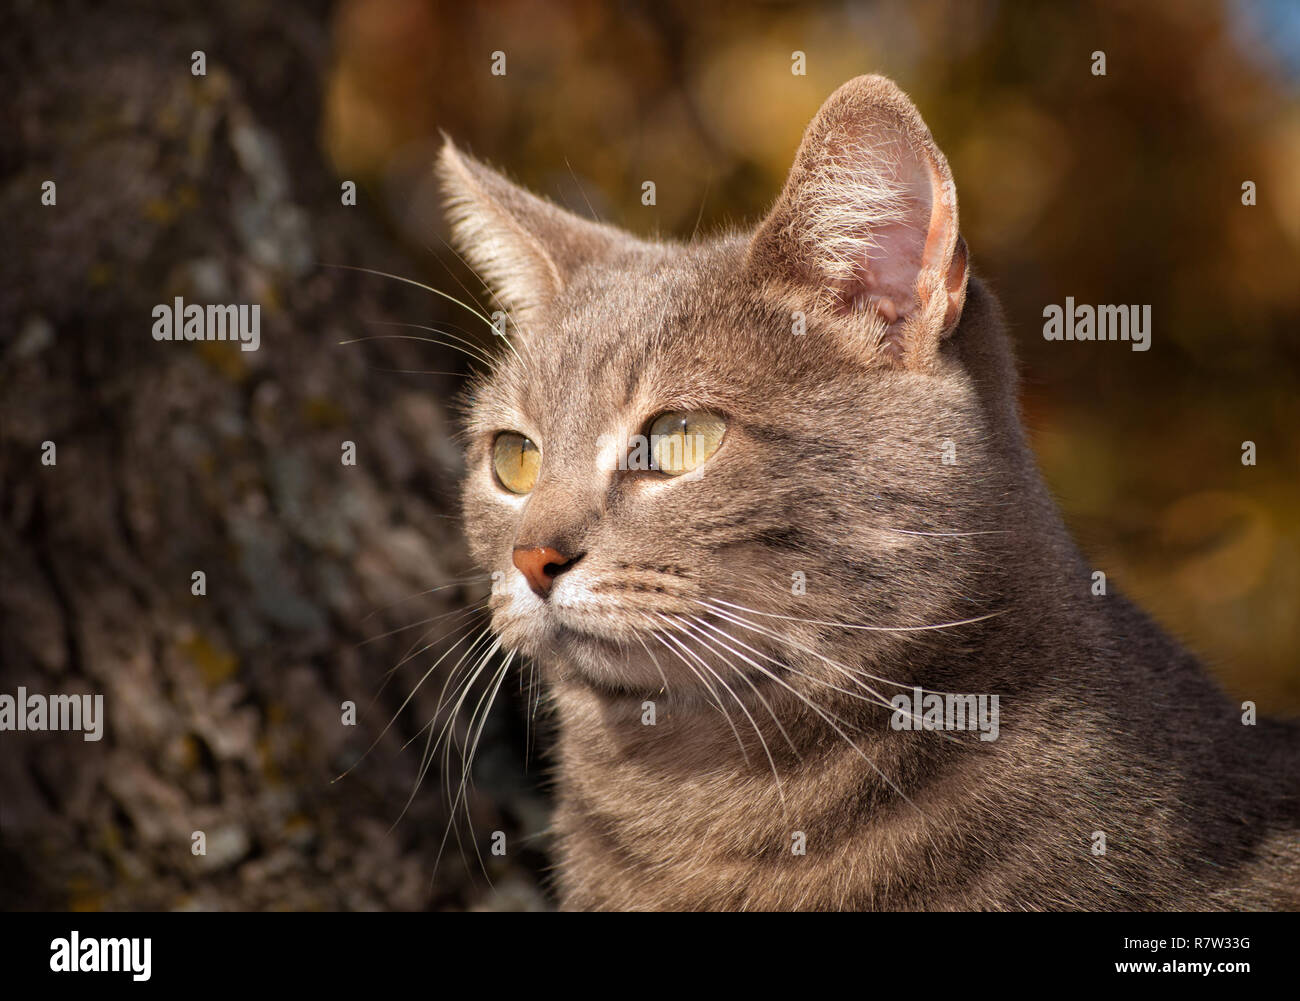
[
  {"x": 467, "y": 761},
  {"x": 939, "y": 535},
  {"x": 459, "y": 611},
  {"x": 438, "y": 292},
  {"x": 714, "y": 701},
  {"x": 723, "y": 613},
  {"x": 654, "y": 660},
  {"x": 456, "y": 582},
  {"x": 487, "y": 285},
  {"x": 878, "y": 698},
  {"x": 446, "y": 743},
  {"x": 475, "y": 356},
  {"x": 713, "y": 645},
  {"x": 780, "y": 790},
  {"x": 833, "y": 723},
  {"x": 874, "y": 629},
  {"x": 405, "y": 703},
  {"x": 431, "y": 329},
  {"x": 425, "y": 761},
  {"x": 468, "y": 621}
]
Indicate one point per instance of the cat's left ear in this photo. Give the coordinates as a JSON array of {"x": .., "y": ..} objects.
[
  {"x": 865, "y": 230},
  {"x": 524, "y": 248}
]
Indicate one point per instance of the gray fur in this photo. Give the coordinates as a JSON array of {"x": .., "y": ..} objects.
[{"x": 831, "y": 466}]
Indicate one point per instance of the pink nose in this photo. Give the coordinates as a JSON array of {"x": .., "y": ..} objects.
[{"x": 540, "y": 565}]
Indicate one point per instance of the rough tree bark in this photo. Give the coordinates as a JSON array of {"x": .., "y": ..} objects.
[{"x": 223, "y": 710}]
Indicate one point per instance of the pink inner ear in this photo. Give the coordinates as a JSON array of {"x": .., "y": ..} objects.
[{"x": 895, "y": 252}]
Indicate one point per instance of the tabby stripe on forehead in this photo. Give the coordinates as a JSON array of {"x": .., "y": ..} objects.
[{"x": 773, "y": 434}]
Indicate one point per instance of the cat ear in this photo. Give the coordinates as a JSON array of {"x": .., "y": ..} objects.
[
  {"x": 524, "y": 248},
  {"x": 866, "y": 226}
]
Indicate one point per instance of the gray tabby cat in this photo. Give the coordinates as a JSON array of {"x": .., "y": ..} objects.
[{"x": 741, "y": 493}]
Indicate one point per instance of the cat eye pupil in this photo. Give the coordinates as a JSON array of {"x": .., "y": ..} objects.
[
  {"x": 681, "y": 441},
  {"x": 515, "y": 462}
]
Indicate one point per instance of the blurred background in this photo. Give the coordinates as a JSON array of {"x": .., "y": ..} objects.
[{"x": 329, "y": 583}]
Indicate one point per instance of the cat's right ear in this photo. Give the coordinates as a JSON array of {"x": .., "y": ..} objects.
[
  {"x": 865, "y": 231},
  {"x": 524, "y": 248}
]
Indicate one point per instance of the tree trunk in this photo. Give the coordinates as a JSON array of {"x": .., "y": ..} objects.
[{"x": 223, "y": 711}]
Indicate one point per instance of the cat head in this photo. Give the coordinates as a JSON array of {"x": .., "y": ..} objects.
[{"x": 738, "y": 453}]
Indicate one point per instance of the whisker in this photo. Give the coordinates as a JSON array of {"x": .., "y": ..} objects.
[
  {"x": 483, "y": 355},
  {"x": 700, "y": 215},
  {"x": 413, "y": 625},
  {"x": 852, "y": 671},
  {"x": 654, "y": 660},
  {"x": 478, "y": 306},
  {"x": 419, "y": 646},
  {"x": 405, "y": 703},
  {"x": 874, "y": 629},
  {"x": 455, "y": 582},
  {"x": 487, "y": 286},
  {"x": 781, "y": 637},
  {"x": 442, "y": 694},
  {"x": 532, "y": 701},
  {"x": 420, "y": 285},
  {"x": 833, "y": 722},
  {"x": 478, "y": 356},
  {"x": 438, "y": 292},
  {"x": 714, "y": 701},
  {"x": 445, "y": 737},
  {"x": 939, "y": 535},
  {"x": 470, "y": 617},
  {"x": 414, "y": 371},
  {"x": 467, "y": 760},
  {"x": 446, "y": 745},
  {"x": 877, "y": 700},
  {"x": 744, "y": 709},
  {"x": 582, "y": 190}
]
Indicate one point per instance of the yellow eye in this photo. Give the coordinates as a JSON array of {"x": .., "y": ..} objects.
[
  {"x": 515, "y": 460},
  {"x": 681, "y": 441}
]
